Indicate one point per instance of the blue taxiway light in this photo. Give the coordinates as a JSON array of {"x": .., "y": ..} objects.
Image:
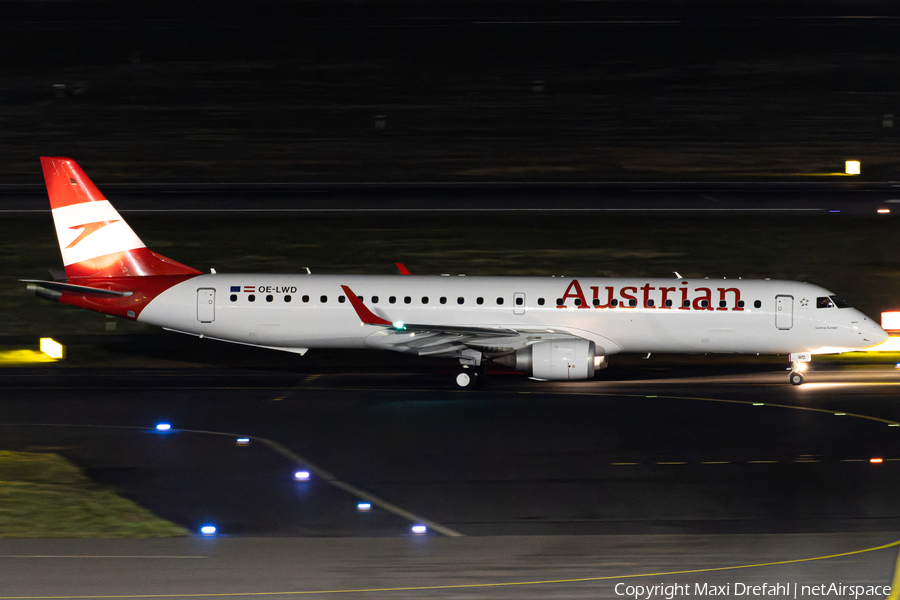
[
  {"x": 419, "y": 529},
  {"x": 364, "y": 507},
  {"x": 208, "y": 530},
  {"x": 301, "y": 475},
  {"x": 163, "y": 427}
]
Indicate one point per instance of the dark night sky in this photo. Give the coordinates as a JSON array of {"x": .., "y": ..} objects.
[{"x": 448, "y": 91}]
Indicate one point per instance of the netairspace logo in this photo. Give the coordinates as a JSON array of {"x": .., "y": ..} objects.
[{"x": 738, "y": 589}]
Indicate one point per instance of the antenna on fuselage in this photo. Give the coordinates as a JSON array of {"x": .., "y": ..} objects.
[{"x": 678, "y": 275}]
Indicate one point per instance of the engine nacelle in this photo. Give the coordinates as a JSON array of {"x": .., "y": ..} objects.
[{"x": 567, "y": 360}]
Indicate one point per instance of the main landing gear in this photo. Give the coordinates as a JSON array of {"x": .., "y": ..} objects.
[
  {"x": 471, "y": 370},
  {"x": 468, "y": 377},
  {"x": 799, "y": 363}
]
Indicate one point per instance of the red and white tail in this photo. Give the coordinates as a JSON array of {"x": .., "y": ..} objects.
[{"x": 93, "y": 238}]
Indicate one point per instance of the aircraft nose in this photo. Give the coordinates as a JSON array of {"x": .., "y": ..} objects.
[
  {"x": 873, "y": 334},
  {"x": 869, "y": 331}
]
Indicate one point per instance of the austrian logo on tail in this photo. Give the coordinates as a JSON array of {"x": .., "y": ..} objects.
[{"x": 87, "y": 229}]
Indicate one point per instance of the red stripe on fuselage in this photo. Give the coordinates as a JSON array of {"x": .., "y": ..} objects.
[{"x": 143, "y": 290}]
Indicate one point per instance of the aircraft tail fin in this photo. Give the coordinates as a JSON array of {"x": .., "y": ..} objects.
[{"x": 93, "y": 238}]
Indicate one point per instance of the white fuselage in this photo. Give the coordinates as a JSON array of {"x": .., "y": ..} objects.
[{"x": 294, "y": 312}]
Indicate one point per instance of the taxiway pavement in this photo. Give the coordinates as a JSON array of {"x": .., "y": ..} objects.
[{"x": 576, "y": 486}]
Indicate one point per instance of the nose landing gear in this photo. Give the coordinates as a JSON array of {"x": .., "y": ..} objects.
[{"x": 799, "y": 362}]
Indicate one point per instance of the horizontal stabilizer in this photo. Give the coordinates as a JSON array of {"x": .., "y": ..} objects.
[{"x": 56, "y": 286}]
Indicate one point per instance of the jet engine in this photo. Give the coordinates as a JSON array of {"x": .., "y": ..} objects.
[{"x": 563, "y": 359}]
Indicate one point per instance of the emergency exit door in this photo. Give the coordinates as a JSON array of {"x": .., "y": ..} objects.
[
  {"x": 784, "y": 312},
  {"x": 206, "y": 305}
]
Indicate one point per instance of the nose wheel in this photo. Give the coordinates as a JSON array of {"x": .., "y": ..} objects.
[{"x": 799, "y": 363}]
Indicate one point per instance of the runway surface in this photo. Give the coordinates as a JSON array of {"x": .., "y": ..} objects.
[
  {"x": 734, "y": 452},
  {"x": 430, "y": 567},
  {"x": 671, "y": 469},
  {"x": 653, "y": 469}
]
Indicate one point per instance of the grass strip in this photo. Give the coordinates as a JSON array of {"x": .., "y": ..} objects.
[{"x": 45, "y": 495}]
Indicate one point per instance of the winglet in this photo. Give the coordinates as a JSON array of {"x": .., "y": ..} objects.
[
  {"x": 362, "y": 311},
  {"x": 402, "y": 268}
]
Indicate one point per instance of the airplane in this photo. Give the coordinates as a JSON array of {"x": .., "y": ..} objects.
[{"x": 552, "y": 328}]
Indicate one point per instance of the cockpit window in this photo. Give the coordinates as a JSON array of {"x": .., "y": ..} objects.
[
  {"x": 840, "y": 302},
  {"x": 824, "y": 302}
]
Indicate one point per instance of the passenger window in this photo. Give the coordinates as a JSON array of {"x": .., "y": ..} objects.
[
  {"x": 757, "y": 304},
  {"x": 559, "y": 301},
  {"x": 392, "y": 299},
  {"x": 540, "y": 301},
  {"x": 251, "y": 298},
  {"x": 323, "y": 299},
  {"x": 704, "y": 303},
  {"x": 520, "y": 301},
  {"x": 479, "y": 300},
  {"x": 499, "y": 301},
  {"x": 424, "y": 299},
  {"x": 740, "y": 304},
  {"x": 233, "y": 298},
  {"x": 577, "y": 301},
  {"x": 287, "y": 298},
  {"x": 651, "y": 303},
  {"x": 632, "y": 302},
  {"x": 341, "y": 299},
  {"x": 460, "y": 300},
  {"x": 614, "y": 303},
  {"x": 269, "y": 298},
  {"x": 407, "y": 300},
  {"x": 305, "y": 298},
  {"x": 443, "y": 299},
  {"x": 668, "y": 303},
  {"x": 686, "y": 304},
  {"x": 723, "y": 304},
  {"x": 596, "y": 301},
  {"x": 824, "y": 302},
  {"x": 374, "y": 299}
]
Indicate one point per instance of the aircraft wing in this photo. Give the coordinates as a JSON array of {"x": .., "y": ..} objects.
[{"x": 427, "y": 339}]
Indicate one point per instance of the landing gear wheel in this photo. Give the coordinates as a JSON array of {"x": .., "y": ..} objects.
[
  {"x": 796, "y": 378},
  {"x": 469, "y": 376},
  {"x": 466, "y": 379}
]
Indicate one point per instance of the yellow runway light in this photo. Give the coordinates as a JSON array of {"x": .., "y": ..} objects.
[{"x": 52, "y": 348}]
